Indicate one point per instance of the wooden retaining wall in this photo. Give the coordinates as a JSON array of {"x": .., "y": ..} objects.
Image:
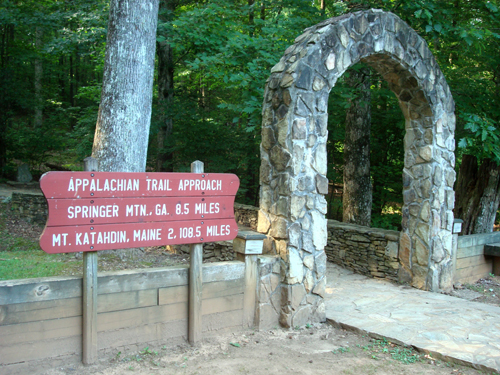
[
  {"x": 41, "y": 319},
  {"x": 471, "y": 263}
]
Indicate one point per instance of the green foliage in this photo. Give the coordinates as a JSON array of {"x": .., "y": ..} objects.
[
  {"x": 68, "y": 44},
  {"x": 483, "y": 138},
  {"x": 222, "y": 54},
  {"x": 391, "y": 221}
]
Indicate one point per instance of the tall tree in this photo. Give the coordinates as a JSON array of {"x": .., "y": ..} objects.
[
  {"x": 477, "y": 195},
  {"x": 357, "y": 195},
  {"x": 165, "y": 89},
  {"x": 122, "y": 131}
]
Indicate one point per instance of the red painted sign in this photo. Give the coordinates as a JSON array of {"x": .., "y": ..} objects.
[
  {"x": 130, "y": 184},
  {"x": 91, "y": 211},
  {"x": 120, "y": 236},
  {"x": 137, "y": 210}
]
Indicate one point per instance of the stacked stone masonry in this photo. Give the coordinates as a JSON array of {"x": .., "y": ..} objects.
[
  {"x": 246, "y": 215},
  {"x": 30, "y": 207},
  {"x": 368, "y": 251},
  {"x": 268, "y": 304},
  {"x": 294, "y": 156}
]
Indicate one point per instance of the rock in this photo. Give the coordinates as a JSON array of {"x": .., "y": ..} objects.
[{"x": 23, "y": 173}]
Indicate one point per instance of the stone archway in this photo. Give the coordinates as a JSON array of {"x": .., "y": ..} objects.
[{"x": 294, "y": 159}]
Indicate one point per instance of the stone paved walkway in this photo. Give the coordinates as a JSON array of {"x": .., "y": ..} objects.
[{"x": 447, "y": 327}]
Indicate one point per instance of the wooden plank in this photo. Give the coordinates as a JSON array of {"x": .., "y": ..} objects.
[
  {"x": 210, "y": 290},
  {"x": 175, "y": 294},
  {"x": 127, "y": 300},
  {"x": 195, "y": 294},
  {"x": 136, "y": 184},
  {"x": 468, "y": 280},
  {"x": 195, "y": 281},
  {"x": 35, "y": 311},
  {"x": 223, "y": 288},
  {"x": 146, "y": 334},
  {"x": 70, "y": 239},
  {"x": 471, "y": 251},
  {"x": 472, "y": 261},
  {"x": 41, "y": 365},
  {"x": 478, "y": 239},
  {"x": 41, "y": 289},
  {"x": 129, "y": 336},
  {"x": 219, "y": 271},
  {"x": 64, "y": 212},
  {"x": 40, "y": 350},
  {"x": 479, "y": 271},
  {"x": 250, "y": 296},
  {"x": 173, "y": 329},
  {"x": 224, "y": 320},
  {"x": 126, "y": 281},
  {"x": 137, "y": 317},
  {"x": 41, "y": 330},
  {"x": 54, "y": 288},
  {"x": 89, "y": 304},
  {"x": 69, "y": 307},
  {"x": 492, "y": 249},
  {"x": 222, "y": 304}
]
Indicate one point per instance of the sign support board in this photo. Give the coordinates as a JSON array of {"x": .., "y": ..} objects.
[{"x": 92, "y": 211}]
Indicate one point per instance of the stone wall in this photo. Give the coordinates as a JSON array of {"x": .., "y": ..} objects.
[
  {"x": 246, "y": 215},
  {"x": 368, "y": 251},
  {"x": 30, "y": 207},
  {"x": 268, "y": 303},
  {"x": 212, "y": 251},
  {"x": 470, "y": 262}
]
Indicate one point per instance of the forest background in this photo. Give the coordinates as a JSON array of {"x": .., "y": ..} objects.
[{"x": 212, "y": 61}]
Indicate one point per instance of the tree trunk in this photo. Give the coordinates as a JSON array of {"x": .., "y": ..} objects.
[
  {"x": 121, "y": 137},
  {"x": 251, "y": 16},
  {"x": 477, "y": 195},
  {"x": 38, "y": 118},
  {"x": 165, "y": 96},
  {"x": 357, "y": 197}
]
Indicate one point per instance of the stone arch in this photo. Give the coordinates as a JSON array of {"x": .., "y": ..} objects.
[{"x": 294, "y": 159}]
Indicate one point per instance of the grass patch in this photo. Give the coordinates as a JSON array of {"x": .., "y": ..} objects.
[
  {"x": 22, "y": 264},
  {"x": 404, "y": 355},
  {"x": 22, "y": 258}
]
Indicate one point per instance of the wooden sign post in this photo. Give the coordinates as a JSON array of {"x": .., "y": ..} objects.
[
  {"x": 195, "y": 282},
  {"x": 92, "y": 211},
  {"x": 89, "y": 294}
]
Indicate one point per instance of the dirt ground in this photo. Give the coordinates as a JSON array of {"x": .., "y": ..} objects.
[{"x": 318, "y": 349}]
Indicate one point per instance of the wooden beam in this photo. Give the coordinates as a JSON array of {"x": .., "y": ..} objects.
[
  {"x": 249, "y": 303},
  {"x": 56, "y": 288},
  {"x": 89, "y": 294},
  {"x": 195, "y": 282},
  {"x": 472, "y": 261}
]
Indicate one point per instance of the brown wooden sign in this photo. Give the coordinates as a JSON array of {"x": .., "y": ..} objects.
[
  {"x": 91, "y": 211},
  {"x": 137, "y": 210},
  {"x": 130, "y": 184},
  {"x": 120, "y": 236}
]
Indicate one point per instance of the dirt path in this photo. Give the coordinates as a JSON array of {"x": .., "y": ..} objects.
[{"x": 319, "y": 349}]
